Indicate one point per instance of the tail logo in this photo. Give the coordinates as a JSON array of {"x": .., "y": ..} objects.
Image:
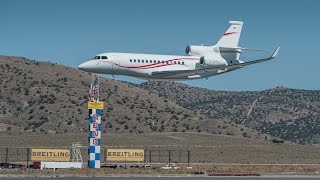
[{"x": 228, "y": 33}]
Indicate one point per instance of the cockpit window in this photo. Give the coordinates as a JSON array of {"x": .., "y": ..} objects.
[
  {"x": 96, "y": 57},
  {"x": 104, "y": 57}
]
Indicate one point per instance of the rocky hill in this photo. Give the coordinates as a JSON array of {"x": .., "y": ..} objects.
[
  {"x": 44, "y": 97},
  {"x": 290, "y": 114}
]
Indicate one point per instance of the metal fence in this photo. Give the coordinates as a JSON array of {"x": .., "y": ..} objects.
[
  {"x": 15, "y": 155},
  {"x": 249, "y": 154},
  {"x": 23, "y": 155}
]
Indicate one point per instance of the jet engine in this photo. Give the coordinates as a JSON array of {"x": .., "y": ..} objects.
[
  {"x": 209, "y": 55},
  {"x": 198, "y": 50},
  {"x": 210, "y": 61}
]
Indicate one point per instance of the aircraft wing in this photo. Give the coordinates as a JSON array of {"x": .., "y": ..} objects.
[{"x": 219, "y": 69}]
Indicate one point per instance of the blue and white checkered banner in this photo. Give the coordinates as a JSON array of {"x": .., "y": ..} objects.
[{"x": 94, "y": 138}]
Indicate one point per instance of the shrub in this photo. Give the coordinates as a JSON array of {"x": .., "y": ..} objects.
[
  {"x": 277, "y": 141},
  {"x": 110, "y": 126}
]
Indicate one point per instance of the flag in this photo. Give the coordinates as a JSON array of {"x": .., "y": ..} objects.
[{"x": 94, "y": 87}]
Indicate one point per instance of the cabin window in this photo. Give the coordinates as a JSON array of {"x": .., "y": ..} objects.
[
  {"x": 154, "y": 61},
  {"x": 178, "y": 62},
  {"x": 175, "y": 62},
  {"x": 142, "y": 61},
  {"x": 104, "y": 57},
  {"x": 167, "y": 62},
  {"x": 146, "y": 61},
  {"x": 162, "y": 62},
  {"x": 96, "y": 57},
  {"x": 130, "y": 60},
  {"x": 134, "y": 60},
  {"x": 182, "y": 62}
]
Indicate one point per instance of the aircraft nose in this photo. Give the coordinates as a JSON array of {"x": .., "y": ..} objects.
[
  {"x": 84, "y": 66},
  {"x": 81, "y": 66}
]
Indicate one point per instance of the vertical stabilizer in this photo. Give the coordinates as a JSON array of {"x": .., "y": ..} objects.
[{"x": 231, "y": 37}]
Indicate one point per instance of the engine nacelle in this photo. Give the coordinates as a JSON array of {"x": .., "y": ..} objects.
[
  {"x": 209, "y": 55},
  {"x": 212, "y": 61},
  {"x": 198, "y": 50}
]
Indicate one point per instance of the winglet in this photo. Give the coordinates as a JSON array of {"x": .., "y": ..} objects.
[{"x": 275, "y": 53}]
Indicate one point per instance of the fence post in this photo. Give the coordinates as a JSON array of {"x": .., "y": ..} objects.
[
  {"x": 169, "y": 157},
  {"x": 28, "y": 153},
  {"x": 144, "y": 155},
  {"x": 7, "y": 154},
  {"x": 150, "y": 157},
  {"x": 188, "y": 158},
  {"x": 105, "y": 155},
  {"x": 17, "y": 154}
]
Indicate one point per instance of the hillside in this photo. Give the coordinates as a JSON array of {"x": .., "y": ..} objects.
[
  {"x": 43, "y": 97},
  {"x": 290, "y": 114}
]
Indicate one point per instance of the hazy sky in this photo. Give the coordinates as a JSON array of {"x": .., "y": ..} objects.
[{"x": 70, "y": 32}]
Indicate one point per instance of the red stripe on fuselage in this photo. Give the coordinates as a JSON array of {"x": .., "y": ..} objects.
[{"x": 154, "y": 65}]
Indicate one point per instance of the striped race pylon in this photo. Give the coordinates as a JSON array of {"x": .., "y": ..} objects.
[{"x": 95, "y": 113}]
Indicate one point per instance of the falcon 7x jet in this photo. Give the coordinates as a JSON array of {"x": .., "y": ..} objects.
[{"x": 200, "y": 61}]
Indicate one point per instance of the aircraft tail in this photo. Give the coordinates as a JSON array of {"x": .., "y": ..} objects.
[{"x": 231, "y": 37}]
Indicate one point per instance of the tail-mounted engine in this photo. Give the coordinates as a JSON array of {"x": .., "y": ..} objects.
[
  {"x": 209, "y": 55},
  {"x": 198, "y": 50}
]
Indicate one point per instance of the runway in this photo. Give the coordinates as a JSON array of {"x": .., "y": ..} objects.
[{"x": 169, "y": 178}]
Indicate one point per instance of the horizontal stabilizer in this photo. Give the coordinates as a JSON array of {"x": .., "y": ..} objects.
[
  {"x": 239, "y": 49},
  {"x": 274, "y": 55}
]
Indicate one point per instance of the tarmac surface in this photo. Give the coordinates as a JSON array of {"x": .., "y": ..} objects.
[{"x": 296, "y": 177}]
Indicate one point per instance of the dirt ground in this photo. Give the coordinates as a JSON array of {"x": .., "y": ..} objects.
[{"x": 199, "y": 170}]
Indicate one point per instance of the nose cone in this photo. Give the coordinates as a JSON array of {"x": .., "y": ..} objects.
[
  {"x": 81, "y": 66},
  {"x": 86, "y": 66}
]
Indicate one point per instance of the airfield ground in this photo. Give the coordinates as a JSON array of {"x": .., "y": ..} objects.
[{"x": 198, "y": 170}]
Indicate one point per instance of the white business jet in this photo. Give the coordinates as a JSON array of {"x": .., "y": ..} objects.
[{"x": 201, "y": 62}]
